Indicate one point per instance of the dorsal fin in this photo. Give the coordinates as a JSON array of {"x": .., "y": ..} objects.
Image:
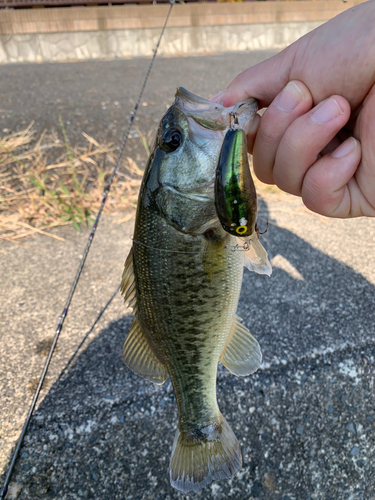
[
  {"x": 137, "y": 353},
  {"x": 241, "y": 355}
]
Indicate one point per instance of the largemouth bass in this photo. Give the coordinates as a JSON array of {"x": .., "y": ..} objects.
[{"x": 183, "y": 279}]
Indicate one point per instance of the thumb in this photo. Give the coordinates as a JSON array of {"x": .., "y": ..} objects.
[{"x": 264, "y": 81}]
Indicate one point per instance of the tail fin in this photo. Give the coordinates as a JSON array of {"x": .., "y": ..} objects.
[{"x": 200, "y": 457}]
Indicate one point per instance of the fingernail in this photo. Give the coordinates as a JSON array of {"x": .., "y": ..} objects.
[
  {"x": 217, "y": 97},
  {"x": 345, "y": 148},
  {"x": 290, "y": 97},
  {"x": 327, "y": 111}
]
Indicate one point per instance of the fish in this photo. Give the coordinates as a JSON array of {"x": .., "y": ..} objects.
[{"x": 183, "y": 278}]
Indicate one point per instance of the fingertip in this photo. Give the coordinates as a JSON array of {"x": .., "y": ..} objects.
[
  {"x": 237, "y": 90},
  {"x": 292, "y": 95},
  {"x": 330, "y": 110},
  {"x": 347, "y": 147},
  {"x": 217, "y": 98},
  {"x": 234, "y": 93},
  {"x": 230, "y": 97}
]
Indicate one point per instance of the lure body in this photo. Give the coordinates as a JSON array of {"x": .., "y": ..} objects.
[{"x": 235, "y": 195}]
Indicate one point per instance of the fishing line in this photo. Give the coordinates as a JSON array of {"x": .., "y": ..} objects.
[
  {"x": 178, "y": 251},
  {"x": 234, "y": 248},
  {"x": 66, "y": 367},
  {"x": 4, "y": 489}
]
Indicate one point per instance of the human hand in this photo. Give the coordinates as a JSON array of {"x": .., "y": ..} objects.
[{"x": 317, "y": 137}]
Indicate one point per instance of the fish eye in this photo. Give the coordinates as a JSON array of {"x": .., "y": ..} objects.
[{"x": 171, "y": 140}]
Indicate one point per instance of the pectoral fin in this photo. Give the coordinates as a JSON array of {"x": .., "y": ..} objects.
[
  {"x": 137, "y": 353},
  {"x": 241, "y": 355},
  {"x": 139, "y": 357},
  {"x": 256, "y": 258}
]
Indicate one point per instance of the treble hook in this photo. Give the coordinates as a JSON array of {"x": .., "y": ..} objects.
[
  {"x": 233, "y": 116},
  {"x": 257, "y": 230}
]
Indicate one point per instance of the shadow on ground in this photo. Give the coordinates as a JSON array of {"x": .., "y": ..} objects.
[{"x": 305, "y": 421}]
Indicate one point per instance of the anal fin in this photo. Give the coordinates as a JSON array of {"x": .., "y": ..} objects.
[
  {"x": 140, "y": 358},
  {"x": 241, "y": 355}
]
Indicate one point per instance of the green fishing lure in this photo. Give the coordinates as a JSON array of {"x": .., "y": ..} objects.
[{"x": 235, "y": 195}]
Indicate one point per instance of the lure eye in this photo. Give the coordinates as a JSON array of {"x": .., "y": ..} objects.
[
  {"x": 171, "y": 140},
  {"x": 241, "y": 229}
]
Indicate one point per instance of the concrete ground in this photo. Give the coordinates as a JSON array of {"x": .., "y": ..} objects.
[{"x": 305, "y": 420}]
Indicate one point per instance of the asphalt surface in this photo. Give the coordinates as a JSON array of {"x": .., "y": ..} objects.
[{"x": 305, "y": 420}]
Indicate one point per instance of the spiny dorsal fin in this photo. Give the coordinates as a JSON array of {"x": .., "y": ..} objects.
[
  {"x": 137, "y": 353},
  {"x": 139, "y": 357},
  {"x": 241, "y": 355}
]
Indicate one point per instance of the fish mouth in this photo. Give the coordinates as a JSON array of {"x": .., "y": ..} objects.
[
  {"x": 201, "y": 194},
  {"x": 214, "y": 116}
]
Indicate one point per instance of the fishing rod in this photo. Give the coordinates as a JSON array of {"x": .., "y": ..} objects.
[{"x": 4, "y": 489}]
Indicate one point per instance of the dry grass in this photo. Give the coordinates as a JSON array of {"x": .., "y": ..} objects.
[{"x": 45, "y": 182}]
